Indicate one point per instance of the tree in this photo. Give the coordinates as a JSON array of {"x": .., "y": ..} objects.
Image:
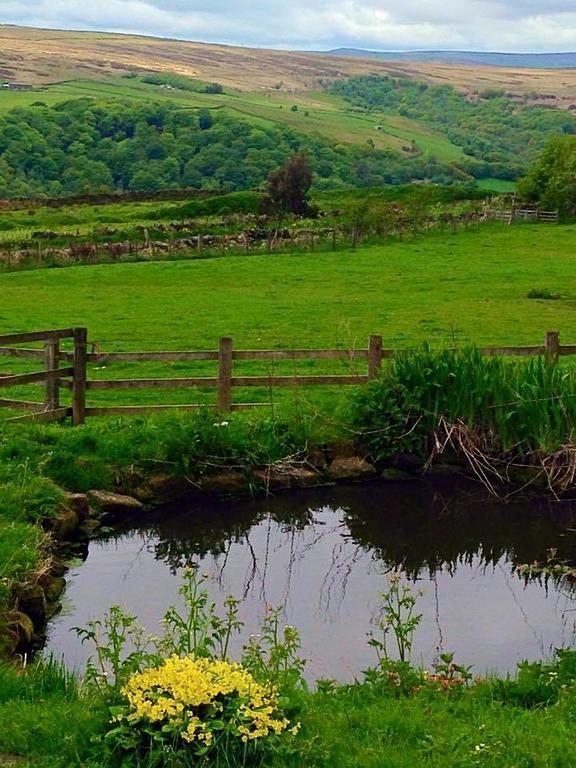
[
  {"x": 551, "y": 181},
  {"x": 289, "y": 185}
]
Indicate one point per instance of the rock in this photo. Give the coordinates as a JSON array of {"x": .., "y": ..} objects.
[
  {"x": 306, "y": 478},
  {"x": 79, "y": 503},
  {"x": 65, "y": 525},
  {"x": 533, "y": 477},
  {"x": 164, "y": 488},
  {"x": 225, "y": 483},
  {"x": 443, "y": 470},
  {"x": 32, "y": 602},
  {"x": 352, "y": 468},
  {"x": 109, "y": 504},
  {"x": 317, "y": 459},
  {"x": 272, "y": 479},
  {"x": 20, "y": 629},
  {"x": 393, "y": 473},
  {"x": 53, "y": 587},
  {"x": 58, "y": 567},
  {"x": 90, "y": 528}
]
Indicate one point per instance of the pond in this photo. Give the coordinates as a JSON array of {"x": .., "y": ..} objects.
[{"x": 326, "y": 555}]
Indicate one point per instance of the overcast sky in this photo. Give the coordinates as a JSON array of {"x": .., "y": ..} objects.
[{"x": 502, "y": 25}]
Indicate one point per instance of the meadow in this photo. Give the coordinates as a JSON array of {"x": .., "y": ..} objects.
[
  {"x": 471, "y": 287},
  {"x": 444, "y": 288}
]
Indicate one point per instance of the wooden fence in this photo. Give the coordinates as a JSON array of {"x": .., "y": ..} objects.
[
  {"x": 73, "y": 375},
  {"x": 509, "y": 216}
]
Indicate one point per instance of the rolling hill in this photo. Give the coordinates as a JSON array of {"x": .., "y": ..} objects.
[{"x": 35, "y": 57}]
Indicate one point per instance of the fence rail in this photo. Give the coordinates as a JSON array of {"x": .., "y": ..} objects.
[{"x": 74, "y": 377}]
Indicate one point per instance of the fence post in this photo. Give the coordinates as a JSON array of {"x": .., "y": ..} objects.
[
  {"x": 552, "y": 346},
  {"x": 51, "y": 362},
  {"x": 374, "y": 356},
  {"x": 79, "y": 378},
  {"x": 225, "y": 374},
  {"x": 354, "y": 238}
]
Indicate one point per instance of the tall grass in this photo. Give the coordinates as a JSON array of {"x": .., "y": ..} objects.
[{"x": 518, "y": 406}]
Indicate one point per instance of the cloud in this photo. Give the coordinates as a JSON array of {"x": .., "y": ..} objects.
[{"x": 513, "y": 25}]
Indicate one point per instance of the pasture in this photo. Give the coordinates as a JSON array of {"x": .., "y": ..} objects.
[{"x": 446, "y": 289}]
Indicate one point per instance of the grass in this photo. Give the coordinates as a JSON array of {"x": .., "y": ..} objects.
[
  {"x": 447, "y": 289},
  {"x": 50, "y": 721},
  {"x": 444, "y": 288},
  {"x": 501, "y": 186}
]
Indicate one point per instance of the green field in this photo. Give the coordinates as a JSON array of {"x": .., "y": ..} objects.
[
  {"x": 318, "y": 113},
  {"x": 468, "y": 287},
  {"x": 464, "y": 288}
]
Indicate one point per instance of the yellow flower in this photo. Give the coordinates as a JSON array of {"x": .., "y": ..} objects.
[{"x": 190, "y": 694}]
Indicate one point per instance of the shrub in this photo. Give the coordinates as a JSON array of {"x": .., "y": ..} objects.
[
  {"x": 192, "y": 707},
  {"x": 542, "y": 293}
]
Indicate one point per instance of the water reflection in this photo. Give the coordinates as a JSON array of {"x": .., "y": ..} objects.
[{"x": 326, "y": 555}]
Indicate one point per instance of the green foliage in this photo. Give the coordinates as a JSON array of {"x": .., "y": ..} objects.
[
  {"x": 176, "y": 700},
  {"x": 539, "y": 683},
  {"x": 80, "y": 147},
  {"x": 500, "y": 137},
  {"x": 398, "y": 618},
  {"x": 551, "y": 181},
  {"x": 520, "y": 406}
]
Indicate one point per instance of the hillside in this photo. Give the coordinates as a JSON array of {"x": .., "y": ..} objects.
[
  {"x": 34, "y": 56},
  {"x": 482, "y": 58}
]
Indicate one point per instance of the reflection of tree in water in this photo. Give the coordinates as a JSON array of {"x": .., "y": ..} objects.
[
  {"x": 213, "y": 527},
  {"x": 415, "y": 527},
  {"x": 434, "y": 528}
]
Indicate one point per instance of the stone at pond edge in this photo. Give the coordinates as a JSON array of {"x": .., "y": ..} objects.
[
  {"x": 410, "y": 462},
  {"x": 164, "y": 488},
  {"x": 110, "y": 504},
  {"x": 225, "y": 483},
  {"x": 317, "y": 459},
  {"x": 352, "y": 468},
  {"x": 32, "y": 602},
  {"x": 306, "y": 478},
  {"x": 443, "y": 470},
  {"x": 392, "y": 473},
  {"x": 529, "y": 476},
  {"x": 343, "y": 449},
  {"x": 271, "y": 479},
  {"x": 65, "y": 524},
  {"x": 53, "y": 587},
  {"x": 79, "y": 503},
  {"x": 18, "y": 630}
]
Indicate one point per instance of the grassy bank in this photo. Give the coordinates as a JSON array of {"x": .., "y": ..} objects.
[{"x": 395, "y": 715}]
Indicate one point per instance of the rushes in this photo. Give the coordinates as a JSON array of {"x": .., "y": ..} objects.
[{"x": 510, "y": 407}]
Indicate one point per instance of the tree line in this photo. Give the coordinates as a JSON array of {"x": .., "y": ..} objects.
[
  {"x": 85, "y": 147},
  {"x": 500, "y": 136}
]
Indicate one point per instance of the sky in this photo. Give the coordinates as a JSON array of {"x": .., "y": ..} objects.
[{"x": 482, "y": 25}]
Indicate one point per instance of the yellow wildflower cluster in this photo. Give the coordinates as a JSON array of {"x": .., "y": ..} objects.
[{"x": 199, "y": 697}]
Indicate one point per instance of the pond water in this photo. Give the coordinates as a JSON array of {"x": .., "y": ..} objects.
[{"x": 326, "y": 555}]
